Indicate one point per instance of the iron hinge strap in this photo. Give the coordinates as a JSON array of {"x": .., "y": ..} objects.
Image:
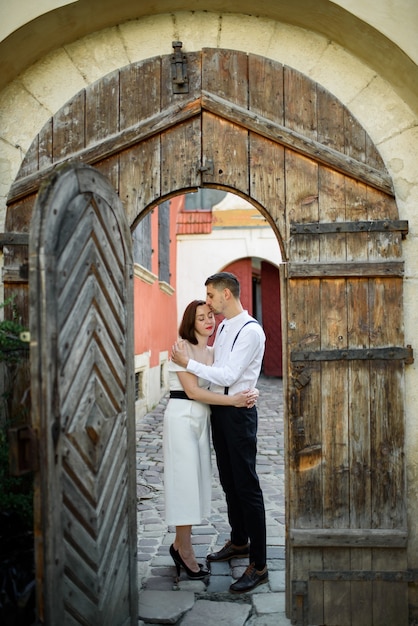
[
  {"x": 362, "y": 354},
  {"x": 14, "y": 239},
  {"x": 368, "y": 226},
  {"x": 404, "y": 576}
]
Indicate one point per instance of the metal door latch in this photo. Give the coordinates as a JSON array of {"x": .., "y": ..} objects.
[
  {"x": 179, "y": 76},
  {"x": 207, "y": 168}
]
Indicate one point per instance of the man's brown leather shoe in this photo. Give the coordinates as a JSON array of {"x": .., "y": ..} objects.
[
  {"x": 250, "y": 579},
  {"x": 229, "y": 551}
]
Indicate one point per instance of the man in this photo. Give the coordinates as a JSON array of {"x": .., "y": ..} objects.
[{"x": 238, "y": 350}]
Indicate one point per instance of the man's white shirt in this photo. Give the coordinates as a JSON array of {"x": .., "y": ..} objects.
[{"x": 236, "y": 365}]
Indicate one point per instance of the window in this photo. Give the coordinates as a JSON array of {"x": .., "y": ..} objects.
[
  {"x": 164, "y": 242},
  {"x": 203, "y": 199},
  {"x": 139, "y": 385},
  {"x": 141, "y": 243}
]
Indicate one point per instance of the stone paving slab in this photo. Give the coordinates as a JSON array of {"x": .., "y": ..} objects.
[
  {"x": 210, "y": 612},
  {"x": 164, "y": 599},
  {"x": 164, "y": 608}
]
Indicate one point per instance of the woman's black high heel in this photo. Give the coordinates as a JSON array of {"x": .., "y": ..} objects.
[{"x": 179, "y": 563}]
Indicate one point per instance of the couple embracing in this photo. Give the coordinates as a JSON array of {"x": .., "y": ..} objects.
[{"x": 219, "y": 383}]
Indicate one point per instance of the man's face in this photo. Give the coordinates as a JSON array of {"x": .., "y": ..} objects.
[{"x": 215, "y": 298}]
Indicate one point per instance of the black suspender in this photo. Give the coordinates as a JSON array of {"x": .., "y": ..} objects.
[
  {"x": 236, "y": 336},
  {"x": 226, "y": 389}
]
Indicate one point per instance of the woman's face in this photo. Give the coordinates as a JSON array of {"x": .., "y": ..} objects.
[{"x": 204, "y": 321}]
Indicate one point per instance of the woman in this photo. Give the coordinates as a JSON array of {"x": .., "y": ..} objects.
[{"x": 186, "y": 443}]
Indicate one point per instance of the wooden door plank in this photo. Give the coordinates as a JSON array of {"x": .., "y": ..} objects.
[
  {"x": 45, "y": 145},
  {"x": 390, "y": 598},
  {"x": 373, "y": 157},
  {"x": 358, "y": 335},
  {"x": 266, "y": 88},
  {"x": 359, "y": 408},
  {"x": 337, "y": 594},
  {"x": 383, "y": 245},
  {"x": 226, "y": 146},
  {"x": 30, "y": 162},
  {"x": 102, "y": 109},
  {"x": 332, "y": 209},
  {"x": 387, "y": 435},
  {"x": 267, "y": 179},
  {"x": 334, "y": 379},
  {"x": 225, "y": 72},
  {"x": 140, "y": 92},
  {"x": 139, "y": 177},
  {"x": 361, "y": 591},
  {"x": 110, "y": 169},
  {"x": 300, "y": 110},
  {"x": 330, "y": 119},
  {"x": 180, "y": 157},
  {"x": 301, "y": 205},
  {"x": 69, "y": 130}
]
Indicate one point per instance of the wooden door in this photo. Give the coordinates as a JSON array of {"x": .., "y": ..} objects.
[
  {"x": 268, "y": 133},
  {"x": 82, "y": 373}
]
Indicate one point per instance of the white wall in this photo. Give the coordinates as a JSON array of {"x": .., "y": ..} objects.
[{"x": 211, "y": 253}]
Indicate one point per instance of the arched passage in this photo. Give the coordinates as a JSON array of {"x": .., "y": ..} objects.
[{"x": 268, "y": 133}]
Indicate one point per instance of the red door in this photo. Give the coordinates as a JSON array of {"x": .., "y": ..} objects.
[
  {"x": 270, "y": 307},
  {"x": 244, "y": 272},
  {"x": 272, "y": 322}
]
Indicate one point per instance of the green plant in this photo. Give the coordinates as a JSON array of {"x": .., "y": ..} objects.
[
  {"x": 16, "y": 492},
  {"x": 13, "y": 335}
]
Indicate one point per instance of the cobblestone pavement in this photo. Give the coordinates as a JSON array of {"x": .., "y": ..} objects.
[{"x": 163, "y": 599}]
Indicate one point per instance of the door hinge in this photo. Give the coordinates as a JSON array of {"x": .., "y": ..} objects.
[
  {"x": 179, "y": 77},
  {"x": 23, "y": 450}
]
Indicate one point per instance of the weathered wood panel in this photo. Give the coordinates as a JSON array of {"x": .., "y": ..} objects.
[
  {"x": 300, "y": 100},
  {"x": 225, "y": 72},
  {"x": 102, "y": 109},
  {"x": 267, "y": 183},
  {"x": 269, "y": 133},
  {"x": 140, "y": 179},
  {"x": 266, "y": 88},
  {"x": 226, "y": 146},
  {"x": 83, "y": 405},
  {"x": 296, "y": 141},
  {"x": 68, "y": 128},
  {"x": 140, "y": 92},
  {"x": 330, "y": 120},
  {"x": 180, "y": 157}
]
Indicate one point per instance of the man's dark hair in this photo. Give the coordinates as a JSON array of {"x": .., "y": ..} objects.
[
  {"x": 186, "y": 329},
  {"x": 225, "y": 280}
]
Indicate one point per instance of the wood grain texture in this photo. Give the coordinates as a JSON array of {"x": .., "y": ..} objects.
[
  {"x": 273, "y": 136},
  {"x": 81, "y": 277}
]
